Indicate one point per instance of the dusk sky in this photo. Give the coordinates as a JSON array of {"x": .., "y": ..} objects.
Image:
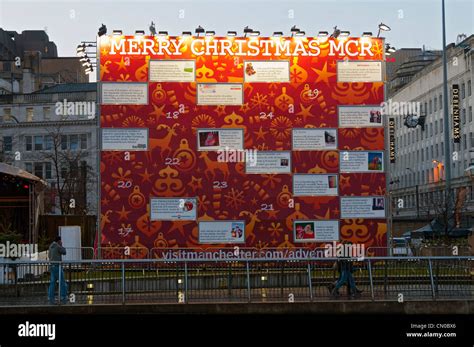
[{"x": 67, "y": 22}]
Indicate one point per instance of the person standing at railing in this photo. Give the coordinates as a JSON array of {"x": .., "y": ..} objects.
[
  {"x": 56, "y": 252},
  {"x": 345, "y": 277},
  {"x": 346, "y": 268}
]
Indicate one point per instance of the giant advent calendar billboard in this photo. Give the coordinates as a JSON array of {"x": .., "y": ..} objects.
[{"x": 256, "y": 142}]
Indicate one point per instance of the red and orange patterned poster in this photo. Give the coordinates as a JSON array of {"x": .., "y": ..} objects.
[{"x": 256, "y": 142}]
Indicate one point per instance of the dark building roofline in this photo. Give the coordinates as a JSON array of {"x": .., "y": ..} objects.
[{"x": 69, "y": 88}]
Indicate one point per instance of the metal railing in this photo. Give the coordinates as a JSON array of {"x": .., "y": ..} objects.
[
  {"x": 419, "y": 251},
  {"x": 240, "y": 280},
  {"x": 120, "y": 252}
]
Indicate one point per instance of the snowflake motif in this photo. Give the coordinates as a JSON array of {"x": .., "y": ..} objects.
[
  {"x": 259, "y": 101},
  {"x": 281, "y": 128},
  {"x": 298, "y": 121},
  {"x": 112, "y": 157},
  {"x": 203, "y": 203},
  {"x": 235, "y": 198},
  {"x": 296, "y": 75},
  {"x": 377, "y": 50},
  {"x": 271, "y": 180},
  {"x": 275, "y": 229},
  {"x": 133, "y": 121}
]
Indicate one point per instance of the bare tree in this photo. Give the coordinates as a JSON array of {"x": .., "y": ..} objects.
[
  {"x": 73, "y": 176},
  {"x": 447, "y": 208}
]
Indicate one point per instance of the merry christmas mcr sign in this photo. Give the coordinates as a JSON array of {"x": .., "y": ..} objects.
[{"x": 248, "y": 142}]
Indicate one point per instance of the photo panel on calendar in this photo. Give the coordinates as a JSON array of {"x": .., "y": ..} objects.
[
  {"x": 316, "y": 230},
  {"x": 361, "y": 161}
]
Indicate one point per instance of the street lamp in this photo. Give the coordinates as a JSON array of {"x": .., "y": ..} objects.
[
  {"x": 102, "y": 30},
  {"x": 152, "y": 29},
  {"x": 199, "y": 30},
  {"x": 383, "y": 27},
  {"x": 446, "y": 119}
]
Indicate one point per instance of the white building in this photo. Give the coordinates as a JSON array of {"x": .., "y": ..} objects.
[
  {"x": 420, "y": 153},
  {"x": 30, "y": 126}
]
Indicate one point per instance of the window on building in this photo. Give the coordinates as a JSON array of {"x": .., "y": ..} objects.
[
  {"x": 469, "y": 88},
  {"x": 38, "y": 170},
  {"x": 73, "y": 142},
  {"x": 29, "y": 114},
  {"x": 29, "y": 167},
  {"x": 441, "y": 125},
  {"x": 38, "y": 143},
  {"x": 431, "y": 129},
  {"x": 48, "y": 142},
  {"x": 426, "y": 108},
  {"x": 422, "y": 155},
  {"x": 64, "y": 171},
  {"x": 463, "y": 91},
  {"x": 47, "y": 171},
  {"x": 470, "y": 113},
  {"x": 7, "y": 143},
  {"x": 74, "y": 170},
  {"x": 436, "y": 127},
  {"x": 464, "y": 140},
  {"x": 431, "y": 106},
  {"x": 436, "y": 150},
  {"x": 83, "y": 138},
  {"x": 7, "y": 113},
  {"x": 46, "y": 113},
  {"x": 440, "y": 101},
  {"x": 29, "y": 143},
  {"x": 442, "y": 148},
  {"x": 463, "y": 116},
  {"x": 64, "y": 142},
  {"x": 435, "y": 104}
]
